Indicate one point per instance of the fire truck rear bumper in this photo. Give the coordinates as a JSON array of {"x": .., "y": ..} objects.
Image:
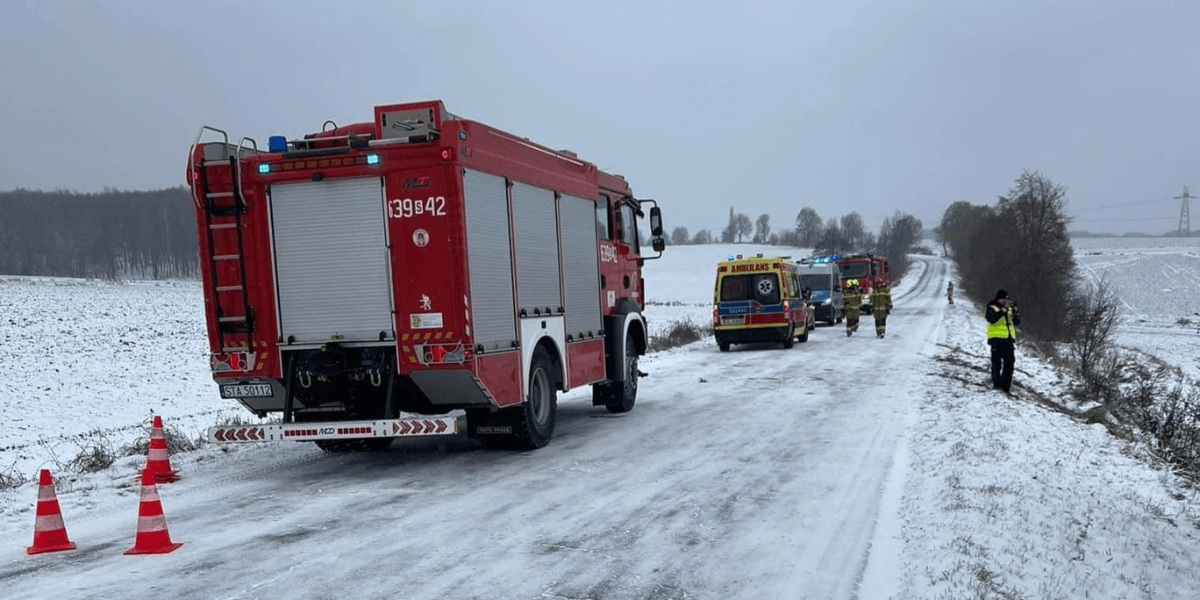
[{"x": 413, "y": 426}]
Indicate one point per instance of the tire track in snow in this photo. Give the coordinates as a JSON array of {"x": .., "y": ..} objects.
[{"x": 865, "y": 499}]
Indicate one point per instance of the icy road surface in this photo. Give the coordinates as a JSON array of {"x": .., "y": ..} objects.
[{"x": 758, "y": 473}]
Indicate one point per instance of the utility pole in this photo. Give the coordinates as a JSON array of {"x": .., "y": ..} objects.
[{"x": 1185, "y": 217}]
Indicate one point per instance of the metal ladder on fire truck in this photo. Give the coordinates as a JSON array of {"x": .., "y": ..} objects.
[{"x": 219, "y": 197}]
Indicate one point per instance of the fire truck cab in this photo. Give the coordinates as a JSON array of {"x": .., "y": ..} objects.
[
  {"x": 364, "y": 281},
  {"x": 760, "y": 299}
]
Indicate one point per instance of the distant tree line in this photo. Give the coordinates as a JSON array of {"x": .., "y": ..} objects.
[
  {"x": 108, "y": 235},
  {"x": 1021, "y": 245},
  {"x": 898, "y": 236}
]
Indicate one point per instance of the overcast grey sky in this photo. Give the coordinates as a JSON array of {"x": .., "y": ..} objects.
[{"x": 765, "y": 106}]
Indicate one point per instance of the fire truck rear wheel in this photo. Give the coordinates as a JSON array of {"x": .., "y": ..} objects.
[
  {"x": 534, "y": 420},
  {"x": 622, "y": 396}
]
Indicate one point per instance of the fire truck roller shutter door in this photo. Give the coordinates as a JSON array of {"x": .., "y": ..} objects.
[
  {"x": 493, "y": 318},
  {"x": 581, "y": 279},
  {"x": 331, "y": 250},
  {"x": 535, "y": 225}
]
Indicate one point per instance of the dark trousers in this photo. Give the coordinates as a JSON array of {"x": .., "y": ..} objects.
[{"x": 1003, "y": 358}]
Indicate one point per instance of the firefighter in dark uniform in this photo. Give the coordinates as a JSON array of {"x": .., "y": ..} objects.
[
  {"x": 852, "y": 304},
  {"x": 881, "y": 299},
  {"x": 1002, "y": 320}
]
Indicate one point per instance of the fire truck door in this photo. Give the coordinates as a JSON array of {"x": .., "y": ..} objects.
[{"x": 331, "y": 263}]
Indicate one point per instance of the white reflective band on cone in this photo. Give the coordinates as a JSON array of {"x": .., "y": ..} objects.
[
  {"x": 152, "y": 524},
  {"x": 48, "y": 523}
]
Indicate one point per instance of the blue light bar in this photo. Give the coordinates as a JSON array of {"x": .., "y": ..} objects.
[
  {"x": 277, "y": 143},
  {"x": 264, "y": 168},
  {"x": 372, "y": 159}
]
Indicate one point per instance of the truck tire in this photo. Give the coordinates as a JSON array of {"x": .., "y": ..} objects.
[
  {"x": 622, "y": 396},
  {"x": 804, "y": 336},
  {"x": 533, "y": 421},
  {"x": 723, "y": 346},
  {"x": 790, "y": 340}
]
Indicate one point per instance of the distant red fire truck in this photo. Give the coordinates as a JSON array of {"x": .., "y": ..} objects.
[
  {"x": 869, "y": 270},
  {"x": 366, "y": 280}
]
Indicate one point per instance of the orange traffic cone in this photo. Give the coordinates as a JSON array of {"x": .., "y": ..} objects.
[
  {"x": 49, "y": 533},
  {"x": 157, "y": 461},
  {"x": 152, "y": 536}
]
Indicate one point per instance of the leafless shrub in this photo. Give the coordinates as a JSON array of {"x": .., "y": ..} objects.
[
  {"x": 681, "y": 333},
  {"x": 12, "y": 478},
  {"x": 92, "y": 458},
  {"x": 1151, "y": 400},
  {"x": 177, "y": 441},
  {"x": 1093, "y": 319}
]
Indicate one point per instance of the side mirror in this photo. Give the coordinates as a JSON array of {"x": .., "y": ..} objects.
[
  {"x": 837, "y": 288},
  {"x": 806, "y": 293},
  {"x": 656, "y": 227}
]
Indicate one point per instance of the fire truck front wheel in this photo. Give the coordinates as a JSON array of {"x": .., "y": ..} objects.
[{"x": 620, "y": 396}]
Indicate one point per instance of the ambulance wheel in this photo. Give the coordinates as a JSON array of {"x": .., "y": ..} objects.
[
  {"x": 790, "y": 340},
  {"x": 804, "y": 336},
  {"x": 533, "y": 421},
  {"x": 724, "y": 346},
  {"x": 621, "y": 398}
]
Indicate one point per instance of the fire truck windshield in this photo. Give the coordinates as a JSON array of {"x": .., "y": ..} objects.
[{"x": 854, "y": 270}]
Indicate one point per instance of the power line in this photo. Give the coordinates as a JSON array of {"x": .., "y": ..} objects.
[
  {"x": 1125, "y": 219},
  {"x": 1125, "y": 204}
]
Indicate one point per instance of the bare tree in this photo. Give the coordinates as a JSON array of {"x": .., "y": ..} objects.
[
  {"x": 897, "y": 236},
  {"x": 679, "y": 236},
  {"x": 832, "y": 241},
  {"x": 703, "y": 236},
  {"x": 1038, "y": 252},
  {"x": 762, "y": 228},
  {"x": 742, "y": 226},
  {"x": 808, "y": 227},
  {"x": 854, "y": 231}
]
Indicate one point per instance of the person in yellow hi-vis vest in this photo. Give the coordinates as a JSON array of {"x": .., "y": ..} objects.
[
  {"x": 881, "y": 299},
  {"x": 1002, "y": 320},
  {"x": 852, "y": 305}
]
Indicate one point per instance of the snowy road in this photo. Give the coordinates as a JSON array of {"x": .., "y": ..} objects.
[{"x": 758, "y": 473}]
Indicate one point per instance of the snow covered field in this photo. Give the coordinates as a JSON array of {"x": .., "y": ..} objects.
[
  {"x": 847, "y": 467},
  {"x": 1158, "y": 282}
]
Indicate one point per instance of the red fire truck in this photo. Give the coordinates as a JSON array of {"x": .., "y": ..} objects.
[
  {"x": 871, "y": 271},
  {"x": 369, "y": 279}
]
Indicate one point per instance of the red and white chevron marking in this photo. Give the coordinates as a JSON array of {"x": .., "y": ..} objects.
[{"x": 306, "y": 432}]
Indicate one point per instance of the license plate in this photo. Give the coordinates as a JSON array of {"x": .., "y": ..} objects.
[
  {"x": 256, "y": 390},
  {"x": 733, "y": 320}
]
